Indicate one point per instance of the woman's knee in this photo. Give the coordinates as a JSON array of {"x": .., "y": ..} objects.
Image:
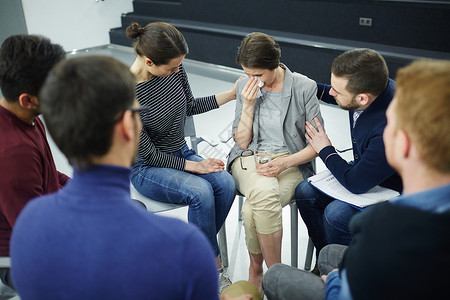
[
  {"x": 228, "y": 183},
  {"x": 251, "y": 237},
  {"x": 136, "y": 177},
  {"x": 266, "y": 210},
  {"x": 222, "y": 183},
  {"x": 228, "y": 180},
  {"x": 247, "y": 216},
  {"x": 270, "y": 222},
  {"x": 198, "y": 194},
  {"x": 269, "y": 219}
]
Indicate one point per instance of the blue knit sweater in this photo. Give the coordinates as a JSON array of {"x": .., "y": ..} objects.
[{"x": 91, "y": 241}]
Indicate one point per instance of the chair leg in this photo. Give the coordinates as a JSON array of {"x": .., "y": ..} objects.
[
  {"x": 223, "y": 246},
  {"x": 294, "y": 234},
  {"x": 241, "y": 200},
  {"x": 309, "y": 255}
]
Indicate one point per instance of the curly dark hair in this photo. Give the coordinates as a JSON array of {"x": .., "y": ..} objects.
[{"x": 25, "y": 61}]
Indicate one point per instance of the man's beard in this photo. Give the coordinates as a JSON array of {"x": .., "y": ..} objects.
[{"x": 352, "y": 106}]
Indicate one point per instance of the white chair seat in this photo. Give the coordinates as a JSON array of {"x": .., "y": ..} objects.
[
  {"x": 152, "y": 205},
  {"x": 156, "y": 206}
]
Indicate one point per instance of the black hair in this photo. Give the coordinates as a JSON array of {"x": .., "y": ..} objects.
[{"x": 25, "y": 61}]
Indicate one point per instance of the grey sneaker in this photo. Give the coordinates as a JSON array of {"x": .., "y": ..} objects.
[{"x": 224, "y": 281}]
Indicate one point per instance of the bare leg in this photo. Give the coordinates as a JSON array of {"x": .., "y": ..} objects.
[
  {"x": 271, "y": 253},
  {"x": 255, "y": 271},
  {"x": 271, "y": 247}
]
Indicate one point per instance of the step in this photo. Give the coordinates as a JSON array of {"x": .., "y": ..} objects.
[{"x": 311, "y": 55}]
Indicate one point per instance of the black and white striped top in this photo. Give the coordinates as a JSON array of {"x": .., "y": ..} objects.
[{"x": 162, "y": 133}]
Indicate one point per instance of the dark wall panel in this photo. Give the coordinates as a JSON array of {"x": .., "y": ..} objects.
[
  {"x": 219, "y": 49},
  {"x": 422, "y": 26},
  {"x": 311, "y": 33}
]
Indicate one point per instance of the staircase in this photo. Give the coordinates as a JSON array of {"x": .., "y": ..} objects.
[{"x": 214, "y": 30}]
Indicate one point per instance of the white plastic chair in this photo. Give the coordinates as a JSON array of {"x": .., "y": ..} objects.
[{"x": 5, "y": 291}]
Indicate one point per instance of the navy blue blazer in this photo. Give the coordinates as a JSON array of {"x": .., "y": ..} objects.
[{"x": 370, "y": 167}]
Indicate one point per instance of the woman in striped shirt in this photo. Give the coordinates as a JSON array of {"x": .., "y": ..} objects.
[{"x": 167, "y": 170}]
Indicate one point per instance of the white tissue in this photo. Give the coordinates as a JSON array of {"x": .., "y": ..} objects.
[{"x": 260, "y": 83}]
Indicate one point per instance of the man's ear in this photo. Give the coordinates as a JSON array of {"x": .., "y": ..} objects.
[
  {"x": 403, "y": 143},
  {"x": 28, "y": 101},
  {"x": 129, "y": 125},
  {"x": 363, "y": 99}
]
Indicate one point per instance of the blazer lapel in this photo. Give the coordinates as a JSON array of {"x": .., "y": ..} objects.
[
  {"x": 255, "y": 123},
  {"x": 286, "y": 96}
]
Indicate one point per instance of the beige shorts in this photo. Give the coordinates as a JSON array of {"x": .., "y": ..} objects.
[{"x": 265, "y": 197}]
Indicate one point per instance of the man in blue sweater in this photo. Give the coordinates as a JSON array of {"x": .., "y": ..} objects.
[
  {"x": 359, "y": 84},
  {"x": 400, "y": 248},
  {"x": 90, "y": 240}
]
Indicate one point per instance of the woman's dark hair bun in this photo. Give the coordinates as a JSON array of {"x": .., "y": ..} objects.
[{"x": 134, "y": 30}]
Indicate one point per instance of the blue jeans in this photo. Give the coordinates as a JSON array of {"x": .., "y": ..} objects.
[
  {"x": 209, "y": 196},
  {"x": 327, "y": 219}
]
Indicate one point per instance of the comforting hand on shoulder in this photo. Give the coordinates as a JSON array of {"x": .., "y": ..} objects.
[
  {"x": 227, "y": 96},
  {"x": 233, "y": 90},
  {"x": 318, "y": 139}
]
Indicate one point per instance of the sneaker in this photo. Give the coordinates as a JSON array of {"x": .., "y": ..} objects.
[{"x": 224, "y": 281}]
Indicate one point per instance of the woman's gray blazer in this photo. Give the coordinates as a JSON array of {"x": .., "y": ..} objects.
[{"x": 299, "y": 104}]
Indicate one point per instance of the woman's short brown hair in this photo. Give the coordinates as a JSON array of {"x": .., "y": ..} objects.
[{"x": 259, "y": 51}]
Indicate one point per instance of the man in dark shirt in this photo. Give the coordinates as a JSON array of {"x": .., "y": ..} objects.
[
  {"x": 359, "y": 84},
  {"x": 27, "y": 167}
]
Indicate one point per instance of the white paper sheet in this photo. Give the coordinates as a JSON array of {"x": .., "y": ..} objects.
[{"x": 328, "y": 184}]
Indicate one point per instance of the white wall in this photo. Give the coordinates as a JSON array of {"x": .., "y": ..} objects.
[
  {"x": 12, "y": 20},
  {"x": 75, "y": 24}
]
